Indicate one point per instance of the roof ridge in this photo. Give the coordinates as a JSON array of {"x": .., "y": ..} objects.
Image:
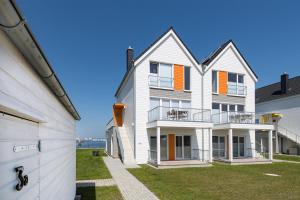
[{"x": 276, "y": 83}]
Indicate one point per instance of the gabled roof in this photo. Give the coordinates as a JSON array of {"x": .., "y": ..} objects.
[
  {"x": 149, "y": 47},
  {"x": 273, "y": 91},
  {"x": 215, "y": 54},
  {"x": 161, "y": 36}
]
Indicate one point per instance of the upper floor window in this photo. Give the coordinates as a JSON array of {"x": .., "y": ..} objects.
[
  {"x": 214, "y": 81},
  {"x": 153, "y": 68},
  {"x": 160, "y": 75},
  {"x": 236, "y": 84},
  {"x": 187, "y": 78},
  {"x": 235, "y": 78}
]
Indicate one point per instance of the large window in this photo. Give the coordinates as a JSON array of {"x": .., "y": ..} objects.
[
  {"x": 187, "y": 78},
  {"x": 236, "y": 84},
  {"x": 214, "y": 81},
  {"x": 160, "y": 75}
]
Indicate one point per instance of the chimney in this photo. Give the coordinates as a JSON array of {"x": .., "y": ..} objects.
[
  {"x": 284, "y": 83},
  {"x": 129, "y": 57}
]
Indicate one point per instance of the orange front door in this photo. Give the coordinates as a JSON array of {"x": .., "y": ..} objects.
[{"x": 171, "y": 141}]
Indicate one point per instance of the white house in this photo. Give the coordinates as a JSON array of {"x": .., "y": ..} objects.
[
  {"x": 37, "y": 118},
  {"x": 170, "y": 107},
  {"x": 282, "y": 98}
]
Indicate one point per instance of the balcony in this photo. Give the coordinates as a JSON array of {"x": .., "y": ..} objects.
[
  {"x": 179, "y": 114},
  {"x": 238, "y": 118},
  {"x": 235, "y": 89},
  {"x": 160, "y": 82}
]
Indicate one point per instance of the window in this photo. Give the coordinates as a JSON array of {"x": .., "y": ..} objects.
[
  {"x": 224, "y": 107},
  {"x": 214, "y": 81},
  {"x": 175, "y": 104},
  {"x": 232, "y": 108},
  {"x": 240, "y": 108},
  {"x": 185, "y": 104},
  {"x": 215, "y": 106},
  {"x": 232, "y": 77},
  {"x": 187, "y": 78},
  {"x": 165, "y": 75},
  {"x": 154, "y": 102},
  {"x": 153, "y": 68},
  {"x": 240, "y": 78}
]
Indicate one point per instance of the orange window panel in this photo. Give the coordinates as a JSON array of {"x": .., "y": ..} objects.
[
  {"x": 171, "y": 142},
  {"x": 223, "y": 77},
  {"x": 178, "y": 77}
]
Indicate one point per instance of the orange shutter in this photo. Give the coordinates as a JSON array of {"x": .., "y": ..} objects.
[
  {"x": 178, "y": 77},
  {"x": 171, "y": 141},
  {"x": 223, "y": 82}
]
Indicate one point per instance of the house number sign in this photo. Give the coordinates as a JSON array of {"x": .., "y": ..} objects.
[{"x": 21, "y": 148}]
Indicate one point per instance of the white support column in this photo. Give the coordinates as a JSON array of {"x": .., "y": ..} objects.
[
  {"x": 276, "y": 139},
  {"x": 230, "y": 156},
  {"x": 270, "y": 145},
  {"x": 158, "y": 145},
  {"x": 203, "y": 147},
  {"x": 210, "y": 146}
]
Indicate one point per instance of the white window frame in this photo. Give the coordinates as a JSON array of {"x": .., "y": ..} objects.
[
  {"x": 237, "y": 83},
  {"x": 159, "y": 74}
]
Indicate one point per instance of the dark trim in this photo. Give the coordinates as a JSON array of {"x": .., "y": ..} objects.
[{"x": 208, "y": 60}]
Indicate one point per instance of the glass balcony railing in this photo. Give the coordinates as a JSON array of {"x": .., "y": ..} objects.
[
  {"x": 236, "y": 89},
  {"x": 238, "y": 118},
  {"x": 179, "y": 114},
  {"x": 160, "y": 82}
]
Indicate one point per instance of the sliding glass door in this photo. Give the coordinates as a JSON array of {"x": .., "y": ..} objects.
[
  {"x": 183, "y": 147},
  {"x": 218, "y": 146},
  {"x": 238, "y": 146}
]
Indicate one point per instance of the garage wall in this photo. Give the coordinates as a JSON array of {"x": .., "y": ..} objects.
[{"x": 23, "y": 93}]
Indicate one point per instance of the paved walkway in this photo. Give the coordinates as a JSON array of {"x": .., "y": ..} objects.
[
  {"x": 130, "y": 187},
  {"x": 288, "y": 161},
  {"x": 97, "y": 183}
]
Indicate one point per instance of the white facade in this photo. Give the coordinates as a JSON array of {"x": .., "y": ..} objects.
[
  {"x": 170, "y": 50},
  {"x": 288, "y": 125},
  {"x": 32, "y": 117}
]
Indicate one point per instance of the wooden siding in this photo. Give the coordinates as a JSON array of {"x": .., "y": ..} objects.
[
  {"x": 170, "y": 94},
  {"x": 178, "y": 77},
  {"x": 22, "y": 90},
  {"x": 223, "y": 77}
]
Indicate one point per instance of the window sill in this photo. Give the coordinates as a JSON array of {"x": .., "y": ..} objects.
[
  {"x": 161, "y": 88},
  {"x": 188, "y": 91},
  {"x": 235, "y": 95}
]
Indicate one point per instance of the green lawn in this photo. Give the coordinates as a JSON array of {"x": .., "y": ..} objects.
[
  {"x": 287, "y": 157},
  {"x": 223, "y": 182},
  {"x": 90, "y": 167},
  {"x": 98, "y": 193}
]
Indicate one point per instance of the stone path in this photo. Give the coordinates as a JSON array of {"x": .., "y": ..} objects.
[
  {"x": 97, "y": 183},
  {"x": 130, "y": 187}
]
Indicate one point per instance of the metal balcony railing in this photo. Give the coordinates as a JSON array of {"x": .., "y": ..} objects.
[
  {"x": 160, "y": 82},
  {"x": 179, "y": 114},
  {"x": 236, "y": 89},
  {"x": 238, "y": 118}
]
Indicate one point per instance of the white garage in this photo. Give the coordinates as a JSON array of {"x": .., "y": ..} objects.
[{"x": 37, "y": 118}]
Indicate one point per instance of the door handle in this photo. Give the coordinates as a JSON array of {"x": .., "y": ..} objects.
[{"x": 23, "y": 180}]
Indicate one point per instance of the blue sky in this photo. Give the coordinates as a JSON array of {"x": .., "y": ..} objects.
[{"x": 85, "y": 41}]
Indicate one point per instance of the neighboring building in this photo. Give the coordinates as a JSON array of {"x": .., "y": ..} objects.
[
  {"x": 37, "y": 119},
  {"x": 283, "y": 98},
  {"x": 170, "y": 103}
]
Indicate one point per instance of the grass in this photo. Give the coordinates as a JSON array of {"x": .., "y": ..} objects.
[
  {"x": 90, "y": 167},
  {"x": 223, "y": 182},
  {"x": 287, "y": 157},
  {"x": 98, "y": 193}
]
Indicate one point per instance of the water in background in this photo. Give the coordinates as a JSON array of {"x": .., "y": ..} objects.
[{"x": 91, "y": 144}]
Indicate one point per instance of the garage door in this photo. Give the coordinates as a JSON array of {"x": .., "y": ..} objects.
[{"x": 18, "y": 147}]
